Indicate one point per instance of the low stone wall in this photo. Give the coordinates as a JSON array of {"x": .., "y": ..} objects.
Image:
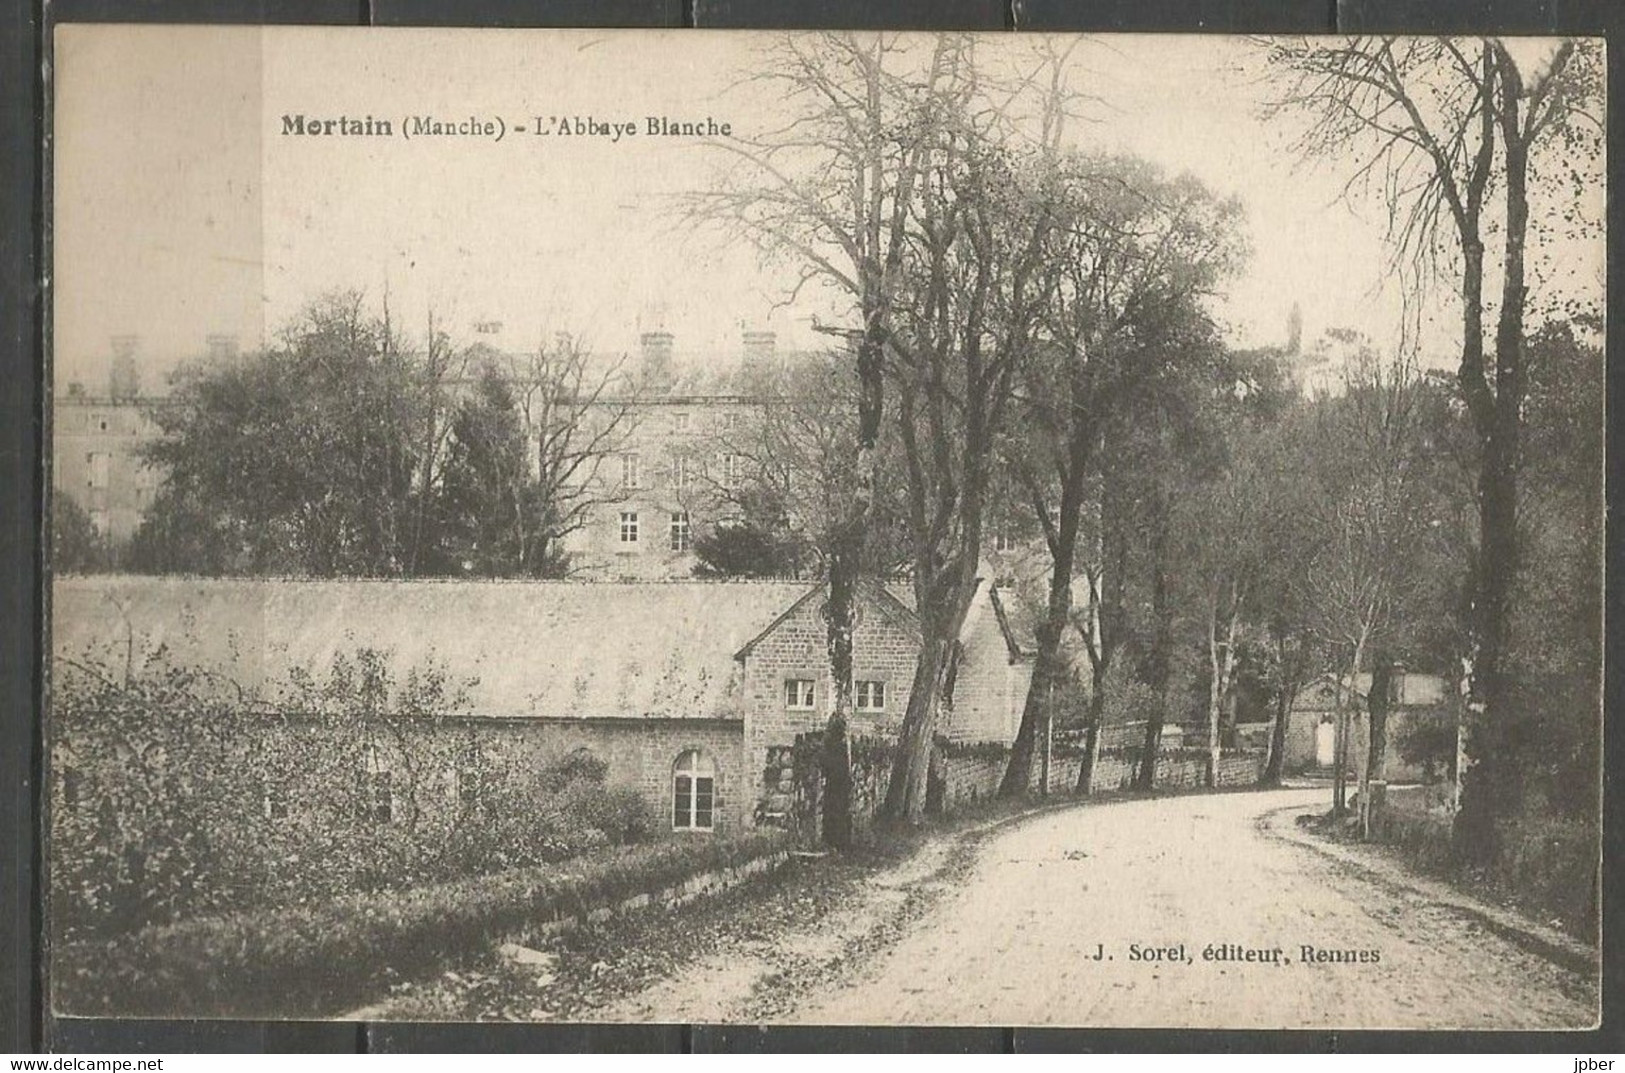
[
  {"x": 962, "y": 776},
  {"x": 1243, "y": 770},
  {"x": 1113, "y": 773},
  {"x": 1179, "y": 773},
  {"x": 967, "y": 779}
]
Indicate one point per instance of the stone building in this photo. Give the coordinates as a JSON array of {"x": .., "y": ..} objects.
[
  {"x": 1419, "y": 703},
  {"x": 657, "y": 480},
  {"x": 96, "y": 460},
  {"x": 681, "y": 688}
]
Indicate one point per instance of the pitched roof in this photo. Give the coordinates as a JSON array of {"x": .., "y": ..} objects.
[
  {"x": 876, "y": 595},
  {"x": 1016, "y": 623},
  {"x": 587, "y": 649}
]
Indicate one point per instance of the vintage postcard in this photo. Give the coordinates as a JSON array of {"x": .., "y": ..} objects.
[{"x": 826, "y": 528}]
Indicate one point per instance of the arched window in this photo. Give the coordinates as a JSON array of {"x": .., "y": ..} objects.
[{"x": 693, "y": 784}]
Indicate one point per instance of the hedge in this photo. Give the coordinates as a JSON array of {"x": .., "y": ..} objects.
[{"x": 321, "y": 959}]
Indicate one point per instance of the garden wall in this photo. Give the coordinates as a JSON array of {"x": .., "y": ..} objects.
[{"x": 965, "y": 776}]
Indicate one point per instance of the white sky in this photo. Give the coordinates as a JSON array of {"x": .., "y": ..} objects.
[{"x": 182, "y": 210}]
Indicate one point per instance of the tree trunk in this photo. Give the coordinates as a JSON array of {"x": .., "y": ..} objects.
[
  {"x": 1347, "y": 701},
  {"x": 845, "y": 567},
  {"x": 905, "y": 792},
  {"x": 1097, "y": 710},
  {"x": 1492, "y": 790},
  {"x": 1382, "y": 675},
  {"x": 1047, "y": 671},
  {"x": 1292, "y": 668},
  {"x": 1160, "y": 663},
  {"x": 836, "y": 756}
]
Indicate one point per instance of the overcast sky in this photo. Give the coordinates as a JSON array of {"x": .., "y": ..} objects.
[{"x": 182, "y": 210}]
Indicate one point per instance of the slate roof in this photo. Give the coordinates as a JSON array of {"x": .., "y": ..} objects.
[{"x": 583, "y": 649}]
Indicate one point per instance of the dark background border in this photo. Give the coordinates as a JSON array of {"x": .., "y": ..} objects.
[{"x": 24, "y": 44}]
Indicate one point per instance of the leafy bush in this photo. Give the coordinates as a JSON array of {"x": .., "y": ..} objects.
[
  {"x": 178, "y": 795},
  {"x": 315, "y": 960},
  {"x": 1430, "y": 744}
]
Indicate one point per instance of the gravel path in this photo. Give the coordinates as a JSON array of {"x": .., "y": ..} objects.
[{"x": 1100, "y": 916}]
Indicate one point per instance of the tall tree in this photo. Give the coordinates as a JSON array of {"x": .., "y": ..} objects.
[
  {"x": 1445, "y": 125},
  {"x": 1376, "y": 577},
  {"x": 831, "y": 191},
  {"x": 1135, "y": 255},
  {"x": 303, "y": 453},
  {"x": 522, "y": 468},
  {"x": 980, "y": 278}
]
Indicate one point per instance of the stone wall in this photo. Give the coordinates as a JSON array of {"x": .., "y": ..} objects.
[
  {"x": 970, "y": 778},
  {"x": 1242, "y": 770},
  {"x": 963, "y": 777},
  {"x": 797, "y": 648},
  {"x": 640, "y": 754}
]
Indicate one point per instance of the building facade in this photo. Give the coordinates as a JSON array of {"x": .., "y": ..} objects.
[{"x": 680, "y": 688}]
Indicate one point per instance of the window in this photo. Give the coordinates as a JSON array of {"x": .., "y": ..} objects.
[
  {"x": 629, "y": 471},
  {"x": 693, "y": 792},
  {"x": 1003, "y": 541},
  {"x": 871, "y": 696},
  {"x": 629, "y": 527},
  {"x": 101, "y": 465},
  {"x": 679, "y": 531},
  {"x": 798, "y": 693},
  {"x": 682, "y": 473},
  {"x": 730, "y": 421},
  {"x": 70, "y": 788},
  {"x": 681, "y": 420},
  {"x": 732, "y": 467}
]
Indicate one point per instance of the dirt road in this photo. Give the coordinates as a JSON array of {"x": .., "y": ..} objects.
[{"x": 1187, "y": 911}]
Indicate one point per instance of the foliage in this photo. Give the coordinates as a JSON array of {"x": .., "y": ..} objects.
[
  {"x": 77, "y": 547},
  {"x": 1430, "y": 744},
  {"x": 491, "y": 516},
  {"x": 1466, "y": 140},
  {"x": 305, "y": 453},
  {"x": 758, "y": 542},
  {"x": 322, "y": 958},
  {"x": 345, "y": 450},
  {"x": 176, "y": 795}
]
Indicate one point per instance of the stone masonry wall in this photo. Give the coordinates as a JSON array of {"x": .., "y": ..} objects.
[
  {"x": 797, "y": 649},
  {"x": 640, "y": 753}
]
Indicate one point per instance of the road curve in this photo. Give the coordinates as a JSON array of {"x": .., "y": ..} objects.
[{"x": 1099, "y": 916}]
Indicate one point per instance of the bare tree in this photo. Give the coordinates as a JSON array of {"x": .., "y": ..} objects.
[
  {"x": 576, "y": 416},
  {"x": 832, "y": 189},
  {"x": 1372, "y": 574},
  {"x": 983, "y": 241},
  {"x": 1442, "y": 125}
]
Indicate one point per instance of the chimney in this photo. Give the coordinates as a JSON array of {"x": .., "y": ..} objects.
[
  {"x": 655, "y": 373},
  {"x": 123, "y": 376},
  {"x": 759, "y": 347},
  {"x": 220, "y": 347}
]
